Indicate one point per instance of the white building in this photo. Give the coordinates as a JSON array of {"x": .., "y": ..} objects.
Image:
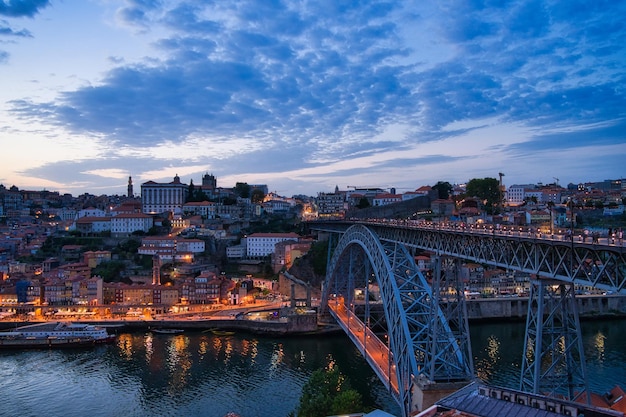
[
  {"x": 163, "y": 197},
  {"x": 169, "y": 245},
  {"x": 206, "y": 209},
  {"x": 236, "y": 252},
  {"x": 386, "y": 198},
  {"x": 126, "y": 224},
  {"x": 91, "y": 212},
  {"x": 516, "y": 193},
  {"x": 92, "y": 224},
  {"x": 259, "y": 245}
]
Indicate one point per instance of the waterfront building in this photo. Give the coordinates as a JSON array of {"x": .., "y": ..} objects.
[
  {"x": 87, "y": 291},
  {"x": 163, "y": 197}
]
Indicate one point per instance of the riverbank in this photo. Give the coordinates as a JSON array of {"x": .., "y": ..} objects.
[
  {"x": 284, "y": 322},
  {"x": 589, "y": 307}
]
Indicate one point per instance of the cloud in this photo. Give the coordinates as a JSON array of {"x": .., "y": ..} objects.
[
  {"x": 302, "y": 84},
  {"x": 22, "y": 8},
  {"x": 5, "y": 30}
]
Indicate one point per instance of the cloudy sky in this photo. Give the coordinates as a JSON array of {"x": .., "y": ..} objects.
[{"x": 303, "y": 95}]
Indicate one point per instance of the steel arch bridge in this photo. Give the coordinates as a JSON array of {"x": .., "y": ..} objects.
[
  {"x": 417, "y": 314},
  {"x": 423, "y": 347}
]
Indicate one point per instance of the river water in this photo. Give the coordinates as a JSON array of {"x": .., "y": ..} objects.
[{"x": 200, "y": 374}]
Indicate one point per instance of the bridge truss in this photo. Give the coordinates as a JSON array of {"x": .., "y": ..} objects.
[
  {"x": 426, "y": 346},
  {"x": 553, "y": 360}
]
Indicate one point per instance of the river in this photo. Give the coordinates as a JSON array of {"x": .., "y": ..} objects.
[{"x": 200, "y": 374}]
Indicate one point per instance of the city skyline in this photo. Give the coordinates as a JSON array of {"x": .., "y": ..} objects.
[{"x": 304, "y": 96}]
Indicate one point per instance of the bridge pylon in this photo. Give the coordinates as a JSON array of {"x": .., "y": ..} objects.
[{"x": 553, "y": 362}]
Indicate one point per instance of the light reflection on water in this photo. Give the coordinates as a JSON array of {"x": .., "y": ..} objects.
[
  {"x": 191, "y": 374},
  {"x": 199, "y": 374},
  {"x": 497, "y": 350}
]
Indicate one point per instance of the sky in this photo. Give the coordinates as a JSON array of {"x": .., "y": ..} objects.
[{"x": 306, "y": 95}]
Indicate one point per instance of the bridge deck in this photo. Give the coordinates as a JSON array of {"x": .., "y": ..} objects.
[{"x": 374, "y": 350}]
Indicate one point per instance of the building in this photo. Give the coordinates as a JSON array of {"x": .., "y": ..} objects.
[
  {"x": 384, "y": 199},
  {"x": 95, "y": 258},
  {"x": 286, "y": 252},
  {"x": 516, "y": 194},
  {"x": 259, "y": 245},
  {"x": 90, "y": 224},
  {"x": 331, "y": 205},
  {"x": 206, "y": 209},
  {"x": 126, "y": 224},
  {"x": 163, "y": 197},
  {"x": 442, "y": 207},
  {"x": 171, "y": 248}
]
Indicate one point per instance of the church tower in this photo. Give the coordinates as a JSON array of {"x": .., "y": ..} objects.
[{"x": 130, "y": 187}]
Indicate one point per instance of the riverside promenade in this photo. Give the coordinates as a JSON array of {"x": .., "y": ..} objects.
[
  {"x": 271, "y": 320},
  {"x": 277, "y": 319}
]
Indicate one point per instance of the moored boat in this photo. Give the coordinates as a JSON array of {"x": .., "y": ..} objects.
[
  {"x": 167, "y": 331},
  {"x": 54, "y": 335},
  {"x": 222, "y": 332}
]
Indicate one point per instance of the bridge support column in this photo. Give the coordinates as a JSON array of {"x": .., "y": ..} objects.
[{"x": 554, "y": 361}]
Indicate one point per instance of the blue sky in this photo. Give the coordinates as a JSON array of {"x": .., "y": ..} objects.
[{"x": 306, "y": 95}]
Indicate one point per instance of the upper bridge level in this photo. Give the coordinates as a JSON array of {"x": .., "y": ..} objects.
[{"x": 572, "y": 257}]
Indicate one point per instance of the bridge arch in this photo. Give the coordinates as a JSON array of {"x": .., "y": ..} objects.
[{"x": 422, "y": 345}]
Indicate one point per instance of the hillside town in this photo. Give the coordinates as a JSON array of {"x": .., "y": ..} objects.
[{"x": 177, "y": 246}]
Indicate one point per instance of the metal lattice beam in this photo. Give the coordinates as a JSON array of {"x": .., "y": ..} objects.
[
  {"x": 573, "y": 261},
  {"x": 420, "y": 338},
  {"x": 553, "y": 363}
]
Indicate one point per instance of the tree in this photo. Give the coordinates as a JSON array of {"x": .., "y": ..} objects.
[
  {"x": 257, "y": 196},
  {"x": 363, "y": 203},
  {"x": 191, "y": 192},
  {"x": 242, "y": 189},
  {"x": 110, "y": 271},
  {"x": 485, "y": 189},
  {"x": 443, "y": 188},
  {"x": 326, "y": 393}
]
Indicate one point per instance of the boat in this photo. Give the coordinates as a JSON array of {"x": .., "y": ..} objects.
[
  {"x": 167, "y": 331},
  {"x": 54, "y": 335},
  {"x": 222, "y": 332}
]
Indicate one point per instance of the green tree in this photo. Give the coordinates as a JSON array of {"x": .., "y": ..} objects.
[
  {"x": 242, "y": 189},
  {"x": 257, "y": 195},
  {"x": 190, "y": 192},
  {"x": 110, "y": 271},
  {"x": 326, "y": 393},
  {"x": 485, "y": 189},
  {"x": 443, "y": 188},
  {"x": 363, "y": 203},
  {"x": 319, "y": 254}
]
